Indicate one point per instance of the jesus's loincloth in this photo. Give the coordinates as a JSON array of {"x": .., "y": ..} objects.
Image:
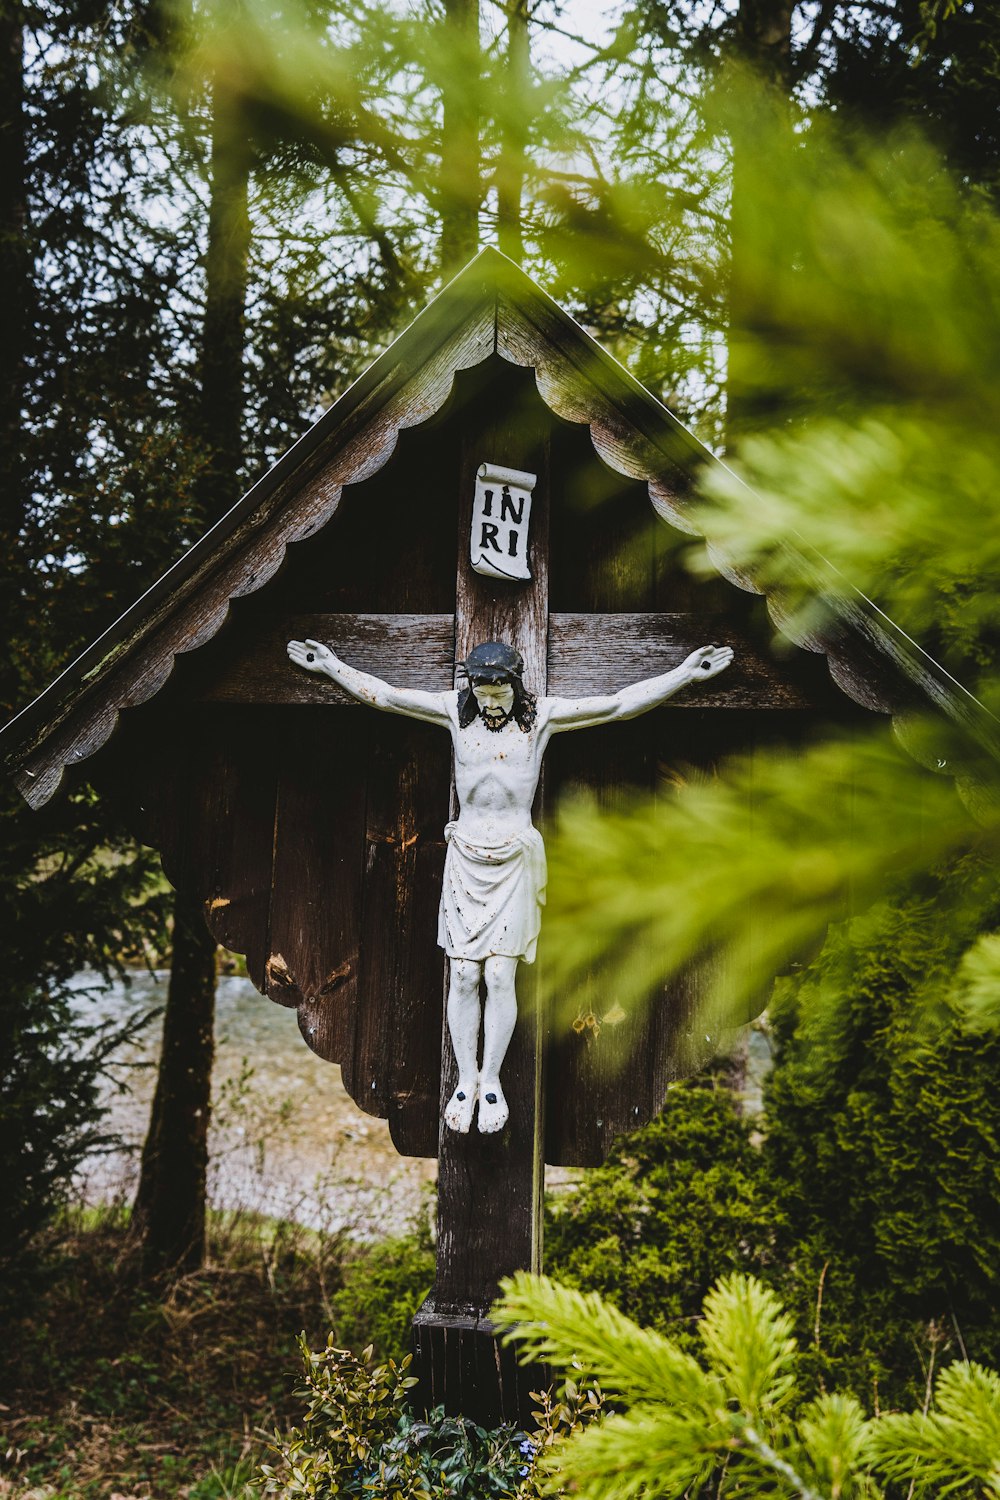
[{"x": 492, "y": 896}]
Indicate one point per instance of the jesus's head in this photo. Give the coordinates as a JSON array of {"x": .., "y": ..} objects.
[{"x": 496, "y": 692}]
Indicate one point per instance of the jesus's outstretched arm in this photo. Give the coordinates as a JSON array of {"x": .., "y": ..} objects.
[
  {"x": 414, "y": 702},
  {"x": 640, "y": 697}
]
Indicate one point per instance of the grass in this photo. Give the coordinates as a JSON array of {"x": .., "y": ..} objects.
[{"x": 113, "y": 1388}]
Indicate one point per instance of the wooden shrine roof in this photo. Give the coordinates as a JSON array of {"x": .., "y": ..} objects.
[{"x": 491, "y": 308}]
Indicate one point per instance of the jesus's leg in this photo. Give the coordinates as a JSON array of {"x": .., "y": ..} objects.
[
  {"x": 499, "y": 1019},
  {"x": 463, "y": 1026}
]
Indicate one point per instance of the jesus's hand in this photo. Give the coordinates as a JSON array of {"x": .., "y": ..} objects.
[
  {"x": 707, "y": 661},
  {"x": 314, "y": 656}
]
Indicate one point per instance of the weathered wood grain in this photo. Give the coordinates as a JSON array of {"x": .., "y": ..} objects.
[
  {"x": 416, "y": 650},
  {"x": 313, "y": 936},
  {"x": 235, "y": 878},
  {"x": 396, "y": 1065},
  {"x": 464, "y": 1368},
  {"x": 598, "y": 1072},
  {"x": 587, "y": 653},
  {"x": 414, "y": 1109},
  {"x": 600, "y": 653}
]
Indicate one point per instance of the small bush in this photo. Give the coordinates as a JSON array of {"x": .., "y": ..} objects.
[
  {"x": 382, "y": 1290},
  {"x": 358, "y": 1437},
  {"x": 677, "y": 1204}
]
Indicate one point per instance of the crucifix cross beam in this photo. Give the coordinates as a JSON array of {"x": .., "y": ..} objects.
[{"x": 585, "y": 654}]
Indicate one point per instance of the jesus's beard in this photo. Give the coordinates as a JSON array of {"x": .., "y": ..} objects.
[{"x": 496, "y": 718}]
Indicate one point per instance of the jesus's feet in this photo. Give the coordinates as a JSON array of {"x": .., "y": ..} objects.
[
  {"x": 458, "y": 1114},
  {"x": 493, "y": 1109}
]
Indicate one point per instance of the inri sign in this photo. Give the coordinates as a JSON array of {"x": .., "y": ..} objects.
[{"x": 501, "y": 511}]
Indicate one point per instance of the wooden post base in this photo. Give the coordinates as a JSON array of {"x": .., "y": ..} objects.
[{"x": 461, "y": 1365}]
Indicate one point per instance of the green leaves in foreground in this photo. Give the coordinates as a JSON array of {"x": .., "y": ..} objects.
[
  {"x": 876, "y": 367},
  {"x": 726, "y": 1419},
  {"x": 687, "y": 1421},
  {"x": 743, "y": 872}
]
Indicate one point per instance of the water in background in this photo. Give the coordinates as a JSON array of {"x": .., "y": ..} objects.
[{"x": 286, "y": 1139}]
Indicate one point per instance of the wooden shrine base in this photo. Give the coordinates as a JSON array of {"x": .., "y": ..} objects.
[{"x": 462, "y": 1366}]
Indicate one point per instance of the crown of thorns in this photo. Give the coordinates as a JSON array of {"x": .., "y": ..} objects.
[{"x": 493, "y": 662}]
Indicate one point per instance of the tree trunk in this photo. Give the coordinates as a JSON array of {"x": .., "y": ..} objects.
[
  {"x": 169, "y": 1208},
  {"x": 224, "y": 329},
  {"x": 763, "y": 56},
  {"x": 170, "y": 1203},
  {"x": 16, "y": 273},
  {"x": 510, "y": 172},
  {"x": 460, "y": 160}
]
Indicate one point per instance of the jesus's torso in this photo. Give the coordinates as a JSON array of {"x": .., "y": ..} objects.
[{"x": 496, "y": 775}]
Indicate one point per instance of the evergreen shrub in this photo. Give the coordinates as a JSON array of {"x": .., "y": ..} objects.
[
  {"x": 870, "y": 1200},
  {"x": 677, "y": 1204},
  {"x": 381, "y": 1291},
  {"x": 882, "y": 1145}
]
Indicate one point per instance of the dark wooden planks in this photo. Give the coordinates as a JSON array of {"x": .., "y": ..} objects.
[
  {"x": 464, "y": 1368},
  {"x": 412, "y": 650},
  {"x": 395, "y": 1066},
  {"x": 600, "y": 653},
  {"x": 587, "y": 653},
  {"x": 239, "y": 839},
  {"x": 315, "y": 903},
  {"x": 599, "y": 1076},
  {"x": 201, "y": 788}
]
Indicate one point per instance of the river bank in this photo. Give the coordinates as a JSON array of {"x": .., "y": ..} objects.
[{"x": 286, "y": 1139}]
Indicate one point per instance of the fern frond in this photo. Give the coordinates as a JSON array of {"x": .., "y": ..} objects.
[
  {"x": 748, "y": 1339},
  {"x": 570, "y": 1328}
]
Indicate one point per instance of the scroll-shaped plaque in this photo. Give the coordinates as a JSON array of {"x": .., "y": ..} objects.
[{"x": 501, "y": 513}]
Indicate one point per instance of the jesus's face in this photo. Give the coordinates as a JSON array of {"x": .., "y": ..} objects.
[{"x": 495, "y": 699}]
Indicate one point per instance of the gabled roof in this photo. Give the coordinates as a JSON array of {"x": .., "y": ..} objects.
[{"x": 491, "y": 307}]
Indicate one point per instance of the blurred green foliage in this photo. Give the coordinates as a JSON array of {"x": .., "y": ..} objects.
[
  {"x": 867, "y": 1194},
  {"x": 873, "y": 277},
  {"x": 871, "y": 356},
  {"x": 883, "y": 1141},
  {"x": 740, "y": 873}
]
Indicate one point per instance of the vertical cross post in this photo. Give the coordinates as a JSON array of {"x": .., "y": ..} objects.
[{"x": 490, "y": 1186}]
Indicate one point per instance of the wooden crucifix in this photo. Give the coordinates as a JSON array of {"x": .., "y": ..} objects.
[
  {"x": 491, "y": 899},
  {"x": 500, "y": 718},
  {"x": 494, "y": 874}
]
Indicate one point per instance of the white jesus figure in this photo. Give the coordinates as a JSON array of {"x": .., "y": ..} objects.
[{"x": 494, "y": 872}]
